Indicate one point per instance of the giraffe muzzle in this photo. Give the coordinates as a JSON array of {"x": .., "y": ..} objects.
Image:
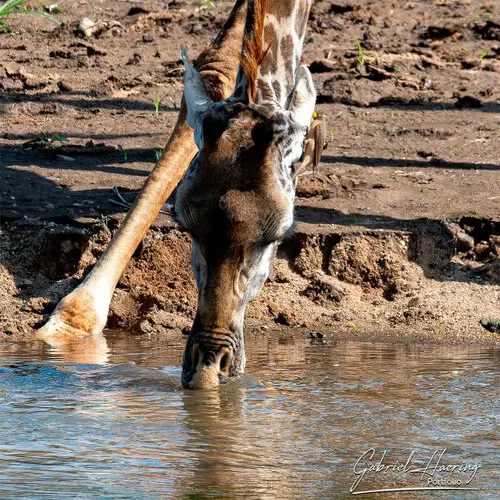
[{"x": 209, "y": 367}]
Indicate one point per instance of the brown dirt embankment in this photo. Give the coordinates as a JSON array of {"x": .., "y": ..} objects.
[
  {"x": 397, "y": 229},
  {"x": 399, "y": 283}
]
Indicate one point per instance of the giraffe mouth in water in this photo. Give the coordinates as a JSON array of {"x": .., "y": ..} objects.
[{"x": 209, "y": 359}]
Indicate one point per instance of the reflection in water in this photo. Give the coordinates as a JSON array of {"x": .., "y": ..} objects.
[{"x": 292, "y": 427}]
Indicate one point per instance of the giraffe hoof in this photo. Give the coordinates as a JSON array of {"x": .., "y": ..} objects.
[
  {"x": 56, "y": 327},
  {"x": 74, "y": 317}
]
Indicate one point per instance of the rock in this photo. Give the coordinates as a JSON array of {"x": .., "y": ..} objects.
[
  {"x": 12, "y": 85},
  {"x": 465, "y": 243},
  {"x": 490, "y": 324},
  {"x": 316, "y": 335},
  {"x": 87, "y": 26},
  {"x": 284, "y": 318},
  {"x": 65, "y": 86},
  {"x": 322, "y": 66},
  {"x": 134, "y": 60},
  {"x": 482, "y": 249},
  {"x": 196, "y": 29},
  {"x": 148, "y": 38},
  {"x": 52, "y": 8},
  {"x": 145, "y": 327},
  {"x": 90, "y": 28}
]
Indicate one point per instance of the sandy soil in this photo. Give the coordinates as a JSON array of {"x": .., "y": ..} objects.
[{"x": 398, "y": 231}]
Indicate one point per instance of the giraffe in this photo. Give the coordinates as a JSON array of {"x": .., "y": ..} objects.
[
  {"x": 237, "y": 197},
  {"x": 247, "y": 109}
]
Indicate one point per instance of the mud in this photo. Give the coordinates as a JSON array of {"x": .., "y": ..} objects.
[{"x": 398, "y": 231}]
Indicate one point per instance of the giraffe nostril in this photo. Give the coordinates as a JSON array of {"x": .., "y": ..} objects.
[{"x": 225, "y": 361}]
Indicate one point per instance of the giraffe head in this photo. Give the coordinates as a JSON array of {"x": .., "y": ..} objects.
[{"x": 236, "y": 200}]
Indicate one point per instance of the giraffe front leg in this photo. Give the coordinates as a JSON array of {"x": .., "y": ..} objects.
[{"x": 82, "y": 312}]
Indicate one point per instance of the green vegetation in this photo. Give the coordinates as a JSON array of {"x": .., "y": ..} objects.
[
  {"x": 205, "y": 4},
  {"x": 103, "y": 220},
  {"x": 157, "y": 100},
  {"x": 125, "y": 154},
  {"x": 362, "y": 55},
  {"x": 48, "y": 139},
  {"x": 483, "y": 54},
  {"x": 158, "y": 154},
  {"x": 11, "y": 7}
]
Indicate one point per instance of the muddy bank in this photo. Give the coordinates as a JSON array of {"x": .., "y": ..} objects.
[
  {"x": 428, "y": 280},
  {"x": 397, "y": 229}
]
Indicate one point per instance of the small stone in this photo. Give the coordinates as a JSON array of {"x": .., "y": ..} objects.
[
  {"x": 134, "y": 60},
  {"x": 148, "y": 38},
  {"x": 52, "y": 8},
  {"x": 336, "y": 316},
  {"x": 65, "y": 158},
  {"x": 145, "y": 327},
  {"x": 196, "y": 29},
  {"x": 490, "y": 324},
  {"x": 284, "y": 318},
  {"x": 482, "y": 249},
  {"x": 465, "y": 243},
  {"x": 64, "y": 86},
  {"x": 87, "y": 26},
  {"x": 316, "y": 335}
]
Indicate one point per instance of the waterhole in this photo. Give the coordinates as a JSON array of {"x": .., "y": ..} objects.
[{"x": 106, "y": 418}]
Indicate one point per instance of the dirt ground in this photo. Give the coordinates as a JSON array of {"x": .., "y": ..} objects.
[{"x": 398, "y": 231}]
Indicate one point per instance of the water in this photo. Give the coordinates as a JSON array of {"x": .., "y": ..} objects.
[{"x": 83, "y": 421}]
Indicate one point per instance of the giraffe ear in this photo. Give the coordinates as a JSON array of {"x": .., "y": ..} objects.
[
  {"x": 303, "y": 97},
  {"x": 197, "y": 99}
]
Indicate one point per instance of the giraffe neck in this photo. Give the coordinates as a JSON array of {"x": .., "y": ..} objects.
[{"x": 284, "y": 32}]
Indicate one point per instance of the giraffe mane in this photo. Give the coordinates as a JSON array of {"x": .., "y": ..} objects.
[{"x": 253, "y": 44}]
